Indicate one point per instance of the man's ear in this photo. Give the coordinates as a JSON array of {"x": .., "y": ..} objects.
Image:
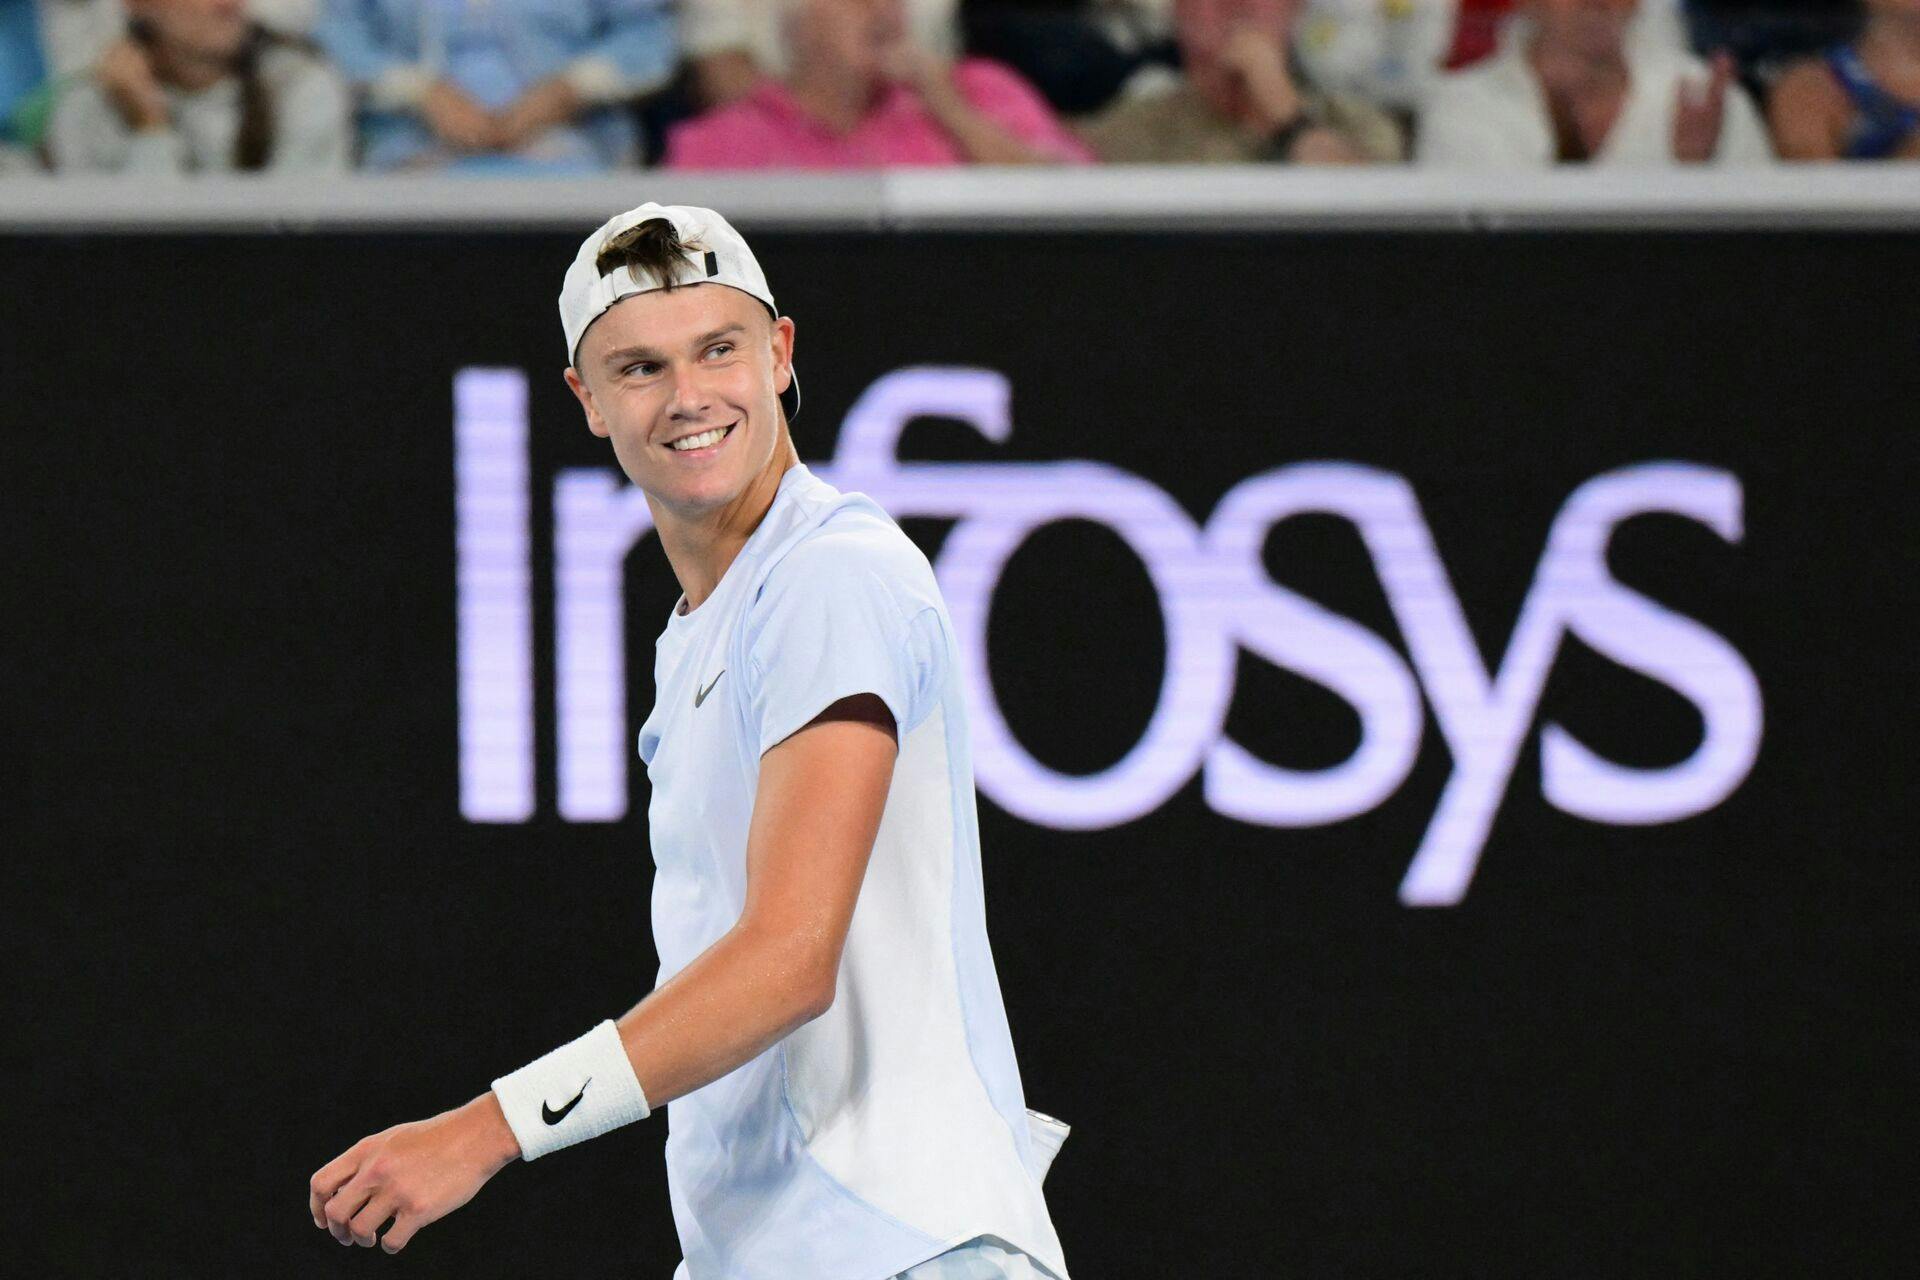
[
  {"x": 578, "y": 386},
  {"x": 782, "y": 338}
]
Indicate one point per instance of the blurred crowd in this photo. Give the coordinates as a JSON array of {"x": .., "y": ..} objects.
[{"x": 576, "y": 86}]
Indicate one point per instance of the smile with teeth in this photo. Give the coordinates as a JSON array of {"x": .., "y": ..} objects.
[{"x": 701, "y": 441}]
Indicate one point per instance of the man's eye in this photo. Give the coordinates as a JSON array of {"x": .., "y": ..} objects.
[
  {"x": 720, "y": 348},
  {"x": 645, "y": 368}
]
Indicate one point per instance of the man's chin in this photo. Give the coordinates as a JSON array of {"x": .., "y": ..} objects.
[{"x": 691, "y": 497}]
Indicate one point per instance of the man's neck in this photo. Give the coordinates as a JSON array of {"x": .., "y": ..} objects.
[
  {"x": 701, "y": 550},
  {"x": 839, "y": 102}
]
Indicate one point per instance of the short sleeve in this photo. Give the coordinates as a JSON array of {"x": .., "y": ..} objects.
[{"x": 831, "y": 622}]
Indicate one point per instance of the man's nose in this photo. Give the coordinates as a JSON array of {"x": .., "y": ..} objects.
[{"x": 689, "y": 398}]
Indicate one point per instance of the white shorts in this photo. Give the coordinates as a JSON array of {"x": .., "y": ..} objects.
[{"x": 981, "y": 1258}]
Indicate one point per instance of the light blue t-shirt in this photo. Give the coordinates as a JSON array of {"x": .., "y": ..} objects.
[{"x": 894, "y": 1126}]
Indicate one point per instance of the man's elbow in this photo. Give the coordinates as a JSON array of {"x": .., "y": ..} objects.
[
  {"x": 815, "y": 985},
  {"x": 803, "y": 973}
]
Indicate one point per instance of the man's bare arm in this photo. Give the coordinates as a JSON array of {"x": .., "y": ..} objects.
[{"x": 815, "y": 817}]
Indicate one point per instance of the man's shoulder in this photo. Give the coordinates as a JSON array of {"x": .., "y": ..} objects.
[
  {"x": 849, "y": 549},
  {"x": 855, "y": 541}
]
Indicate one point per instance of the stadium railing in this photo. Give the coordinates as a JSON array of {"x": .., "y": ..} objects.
[{"x": 1826, "y": 196}]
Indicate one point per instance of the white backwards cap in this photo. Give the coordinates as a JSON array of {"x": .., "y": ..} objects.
[{"x": 716, "y": 254}]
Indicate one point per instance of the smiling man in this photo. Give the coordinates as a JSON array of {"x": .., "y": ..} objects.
[{"x": 827, "y": 1023}]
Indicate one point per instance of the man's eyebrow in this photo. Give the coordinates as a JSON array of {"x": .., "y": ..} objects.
[{"x": 621, "y": 355}]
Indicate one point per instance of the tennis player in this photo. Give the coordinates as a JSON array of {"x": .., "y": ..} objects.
[{"x": 827, "y": 1023}]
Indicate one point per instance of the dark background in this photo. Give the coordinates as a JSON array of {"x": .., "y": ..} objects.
[{"x": 249, "y": 926}]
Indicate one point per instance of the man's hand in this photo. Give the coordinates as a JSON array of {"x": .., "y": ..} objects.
[
  {"x": 920, "y": 69},
  {"x": 1698, "y": 110},
  {"x": 414, "y": 1173},
  {"x": 457, "y": 119},
  {"x": 981, "y": 139},
  {"x": 125, "y": 73},
  {"x": 1256, "y": 59},
  {"x": 551, "y": 102}
]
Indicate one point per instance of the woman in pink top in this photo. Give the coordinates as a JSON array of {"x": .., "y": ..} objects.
[{"x": 862, "y": 95}]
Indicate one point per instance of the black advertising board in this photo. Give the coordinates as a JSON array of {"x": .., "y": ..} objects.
[{"x": 1441, "y": 715}]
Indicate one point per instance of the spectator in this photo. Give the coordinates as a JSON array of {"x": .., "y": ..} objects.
[
  {"x": 1572, "y": 83},
  {"x": 196, "y": 85},
  {"x": 731, "y": 45},
  {"x": 862, "y": 93},
  {"x": 1393, "y": 53},
  {"x": 504, "y": 86},
  {"x": 1244, "y": 97},
  {"x": 1861, "y": 99}
]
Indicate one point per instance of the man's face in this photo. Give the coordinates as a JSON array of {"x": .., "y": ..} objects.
[
  {"x": 674, "y": 364},
  {"x": 210, "y": 29},
  {"x": 848, "y": 38}
]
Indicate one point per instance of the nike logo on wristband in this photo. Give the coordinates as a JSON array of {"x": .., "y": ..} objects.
[
  {"x": 701, "y": 696},
  {"x": 551, "y": 1116}
]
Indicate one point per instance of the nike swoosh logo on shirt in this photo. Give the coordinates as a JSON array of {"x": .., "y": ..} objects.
[
  {"x": 551, "y": 1116},
  {"x": 701, "y": 696}
]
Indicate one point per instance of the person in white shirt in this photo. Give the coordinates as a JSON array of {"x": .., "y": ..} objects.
[
  {"x": 1570, "y": 84},
  {"x": 197, "y": 86},
  {"x": 827, "y": 1021}
]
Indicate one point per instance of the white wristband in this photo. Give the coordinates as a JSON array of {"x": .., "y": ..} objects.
[{"x": 576, "y": 1092}]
